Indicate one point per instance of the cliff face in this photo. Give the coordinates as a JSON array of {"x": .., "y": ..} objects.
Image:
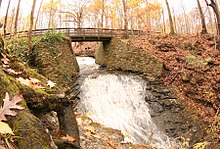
[
  {"x": 55, "y": 60},
  {"x": 121, "y": 55}
]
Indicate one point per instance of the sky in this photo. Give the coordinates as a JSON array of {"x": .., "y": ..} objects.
[{"x": 26, "y": 5}]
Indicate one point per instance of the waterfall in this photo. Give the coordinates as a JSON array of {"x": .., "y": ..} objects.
[{"x": 117, "y": 100}]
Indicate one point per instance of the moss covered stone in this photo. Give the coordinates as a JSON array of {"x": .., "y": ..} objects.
[
  {"x": 120, "y": 54},
  {"x": 54, "y": 59},
  {"x": 26, "y": 126}
]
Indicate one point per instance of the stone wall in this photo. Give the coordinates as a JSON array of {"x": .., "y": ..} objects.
[{"x": 120, "y": 55}]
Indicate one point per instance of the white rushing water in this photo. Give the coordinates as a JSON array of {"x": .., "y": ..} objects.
[{"x": 117, "y": 101}]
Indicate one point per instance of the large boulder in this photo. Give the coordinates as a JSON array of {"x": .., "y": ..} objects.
[
  {"x": 120, "y": 54},
  {"x": 29, "y": 129},
  {"x": 54, "y": 58}
]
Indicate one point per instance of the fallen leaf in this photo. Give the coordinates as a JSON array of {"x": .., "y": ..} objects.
[
  {"x": 58, "y": 134},
  {"x": 5, "y": 128},
  {"x": 32, "y": 82},
  {"x": 118, "y": 147},
  {"x": 8, "y": 105},
  {"x": 2, "y": 147},
  {"x": 11, "y": 71},
  {"x": 97, "y": 136},
  {"x": 5, "y": 61},
  {"x": 88, "y": 134},
  {"x": 90, "y": 128},
  {"x": 110, "y": 143},
  {"x": 68, "y": 138},
  {"x": 50, "y": 84},
  {"x": 201, "y": 145}
]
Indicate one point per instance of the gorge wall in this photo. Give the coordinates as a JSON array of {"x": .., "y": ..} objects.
[{"x": 119, "y": 54}]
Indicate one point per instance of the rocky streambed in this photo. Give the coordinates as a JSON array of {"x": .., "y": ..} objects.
[{"x": 169, "y": 118}]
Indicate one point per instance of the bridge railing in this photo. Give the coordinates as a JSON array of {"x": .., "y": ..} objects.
[{"x": 79, "y": 32}]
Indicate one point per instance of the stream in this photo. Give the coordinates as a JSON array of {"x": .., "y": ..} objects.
[{"x": 117, "y": 100}]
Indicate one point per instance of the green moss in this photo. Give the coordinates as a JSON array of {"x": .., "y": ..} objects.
[
  {"x": 18, "y": 48},
  {"x": 53, "y": 57},
  {"x": 192, "y": 60},
  {"x": 52, "y": 37},
  {"x": 32, "y": 131}
]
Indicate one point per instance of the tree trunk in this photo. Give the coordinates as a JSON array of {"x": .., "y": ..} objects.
[
  {"x": 31, "y": 26},
  {"x": 38, "y": 13},
  {"x": 174, "y": 22},
  {"x": 214, "y": 6},
  {"x": 16, "y": 17},
  {"x": 172, "y": 32},
  {"x": 185, "y": 19},
  {"x": 102, "y": 14},
  {"x": 216, "y": 11},
  {"x": 164, "y": 25},
  {"x": 50, "y": 17},
  {"x": 125, "y": 17},
  {"x": 6, "y": 17},
  {"x": 204, "y": 30},
  {"x": 211, "y": 22}
]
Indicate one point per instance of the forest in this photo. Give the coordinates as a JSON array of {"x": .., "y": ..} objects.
[
  {"x": 177, "y": 45},
  {"x": 156, "y": 15}
]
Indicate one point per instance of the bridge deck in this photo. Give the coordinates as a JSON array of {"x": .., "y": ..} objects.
[{"x": 82, "y": 34}]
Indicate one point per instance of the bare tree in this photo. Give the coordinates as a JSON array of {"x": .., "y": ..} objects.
[
  {"x": 16, "y": 16},
  {"x": 211, "y": 22},
  {"x": 6, "y": 17},
  {"x": 124, "y": 3},
  {"x": 0, "y": 3},
  {"x": 214, "y": 6},
  {"x": 38, "y": 13},
  {"x": 204, "y": 30},
  {"x": 172, "y": 32},
  {"x": 50, "y": 14},
  {"x": 164, "y": 25},
  {"x": 76, "y": 12},
  {"x": 185, "y": 18},
  {"x": 1, "y": 40},
  {"x": 31, "y": 25},
  {"x": 102, "y": 14}
]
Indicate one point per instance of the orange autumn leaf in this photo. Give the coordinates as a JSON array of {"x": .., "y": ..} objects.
[
  {"x": 68, "y": 138},
  {"x": 118, "y": 147},
  {"x": 88, "y": 134}
]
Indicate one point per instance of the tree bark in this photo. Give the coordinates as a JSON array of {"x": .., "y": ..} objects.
[
  {"x": 211, "y": 22},
  {"x": 6, "y": 17},
  {"x": 102, "y": 15},
  {"x": 204, "y": 30},
  {"x": 0, "y": 3},
  {"x": 38, "y": 13},
  {"x": 16, "y": 17},
  {"x": 50, "y": 17},
  {"x": 31, "y": 26},
  {"x": 185, "y": 19},
  {"x": 125, "y": 17},
  {"x": 164, "y": 25},
  {"x": 214, "y": 6},
  {"x": 216, "y": 11},
  {"x": 172, "y": 32}
]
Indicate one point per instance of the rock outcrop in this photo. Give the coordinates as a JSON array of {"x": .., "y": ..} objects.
[
  {"x": 54, "y": 59},
  {"x": 119, "y": 54}
]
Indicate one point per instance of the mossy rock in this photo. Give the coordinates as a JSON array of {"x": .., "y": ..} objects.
[
  {"x": 119, "y": 54},
  {"x": 54, "y": 58},
  {"x": 25, "y": 125}
]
